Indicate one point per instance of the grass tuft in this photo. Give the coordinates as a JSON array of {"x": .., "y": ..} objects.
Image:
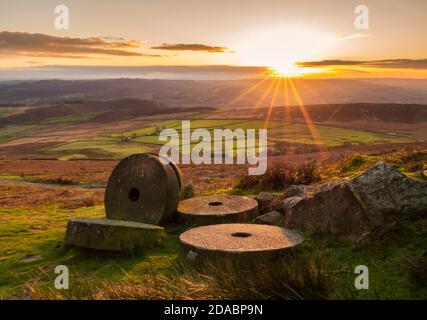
[
  {"x": 418, "y": 270},
  {"x": 280, "y": 176},
  {"x": 353, "y": 163},
  {"x": 218, "y": 280}
]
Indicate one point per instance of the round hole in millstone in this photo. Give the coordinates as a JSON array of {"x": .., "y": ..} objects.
[
  {"x": 134, "y": 194},
  {"x": 241, "y": 234},
  {"x": 220, "y": 240},
  {"x": 217, "y": 209},
  {"x": 215, "y": 203},
  {"x": 157, "y": 195}
]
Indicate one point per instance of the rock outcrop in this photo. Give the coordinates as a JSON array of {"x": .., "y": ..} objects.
[
  {"x": 335, "y": 209},
  {"x": 273, "y": 218},
  {"x": 355, "y": 207},
  {"x": 385, "y": 190},
  {"x": 268, "y": 201}
]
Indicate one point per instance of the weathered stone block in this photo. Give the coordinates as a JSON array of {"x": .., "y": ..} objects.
[
  {"x": 336, "y": 210},
  {"x": 112, "y": 235},
  {"x": 269, "y": 201},
  {"x": 274, "y": 218},
  {"x": 358, "y": 206}
]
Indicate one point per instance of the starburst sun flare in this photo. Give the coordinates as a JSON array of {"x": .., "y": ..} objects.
[{"x": 280, "y": 48}]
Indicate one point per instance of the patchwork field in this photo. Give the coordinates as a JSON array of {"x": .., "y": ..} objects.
[
  {"x": 116, "y": 128},
  {"x": 280, "y": 136}
]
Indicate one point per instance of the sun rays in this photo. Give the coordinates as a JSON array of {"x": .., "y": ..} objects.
[
  {"x": 267, "y": 92},
  {"x": 273, "y": 101},
  {"x": 307, "y": 118},
  {"x": 247, "y": 91}
]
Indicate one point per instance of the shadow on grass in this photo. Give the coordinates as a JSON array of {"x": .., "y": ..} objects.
[{"x": 31, "y": 275}]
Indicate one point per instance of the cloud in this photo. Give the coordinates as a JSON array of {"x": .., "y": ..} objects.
[
  {"x": 43, "y": 45},
  {"x": 203, "y": 72},
  {"x": 388, "y": 63},
  {"x": 191, "y": 47},
  {"x": 354, "y": 36}
]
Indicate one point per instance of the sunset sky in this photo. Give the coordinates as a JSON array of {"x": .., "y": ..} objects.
[{"x": 294, "y": 38}]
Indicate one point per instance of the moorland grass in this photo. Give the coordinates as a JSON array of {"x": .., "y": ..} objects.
[
  {"x": 280, "y": 176},
  {"x": 323, "y": 267}
]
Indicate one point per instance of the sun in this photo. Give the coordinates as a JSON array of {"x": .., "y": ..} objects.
[
  {"x": 280, "y": 48},
  {"x": 291, "y": 70}
]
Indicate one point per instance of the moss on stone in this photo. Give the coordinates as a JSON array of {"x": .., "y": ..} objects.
[{"x": 113, "y": 235}]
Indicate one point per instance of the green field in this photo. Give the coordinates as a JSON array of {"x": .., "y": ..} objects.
[
  {"x": 72, "y": 118},
  {"x": 147, "y": 139},
  {"x": 13, "y": 132},
  {"x": 277, "y": 131},
  {"x": 101, "y": 147}
]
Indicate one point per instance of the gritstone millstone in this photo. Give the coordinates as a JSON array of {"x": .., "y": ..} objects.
[
  {"x": 143, "y": 189},
  {"x": 112, "y": 235},
  {"x": 217, "y": 209},
  {"x": 237, "y": 240}
]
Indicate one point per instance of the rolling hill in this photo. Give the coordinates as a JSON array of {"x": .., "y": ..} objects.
[{"x": 234, "y": 93}]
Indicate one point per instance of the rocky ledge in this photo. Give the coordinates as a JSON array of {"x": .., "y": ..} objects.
[{"x": 352, "y": 208}]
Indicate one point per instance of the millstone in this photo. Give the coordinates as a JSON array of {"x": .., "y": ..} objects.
[
  {"x": 180, "y": 178},
  {"x": 217, "y": 209},
  {"x": 142, "y": 189},
  {"x": 113, "y": 235},
  {"x": 237, "y": 240}
]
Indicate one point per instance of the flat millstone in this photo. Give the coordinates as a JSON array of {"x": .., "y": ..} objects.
[
  {"x": 237, "y": 240},
  {"x": 143, "y": 189},
  {"x": 112, "y": 235},
  {"x": 217, "y": 209}
]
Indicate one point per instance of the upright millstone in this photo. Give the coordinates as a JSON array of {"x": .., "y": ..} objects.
[
  {"x": 217, "y": 209},
  {"x": 143, "y": 189}
]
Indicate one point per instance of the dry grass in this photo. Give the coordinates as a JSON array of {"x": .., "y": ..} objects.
[
  {"x": 272, "y": 280},
  {"x": 218, "y": 280},
  {"x": 73, "y": 171},
  {"x": 280, "y": 176},
  {"x": 30, "y": 196},
  {"x": 409, "y": 159}
]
